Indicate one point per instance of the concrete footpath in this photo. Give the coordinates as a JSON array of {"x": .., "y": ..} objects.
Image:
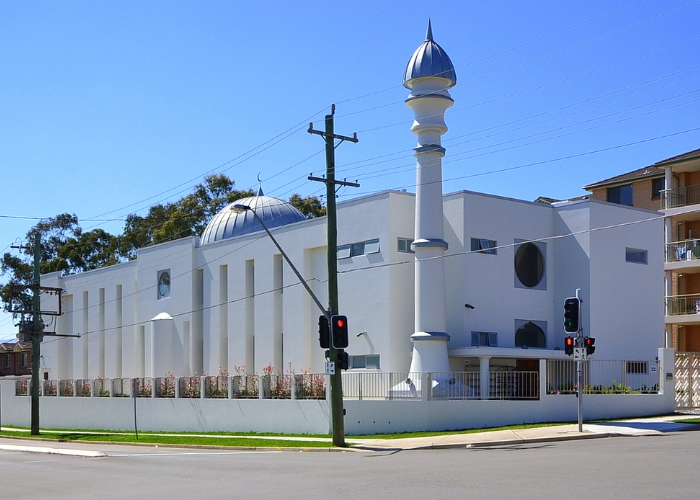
[
  {"x": 633, "y": 427},
  {"x": 568, "y": 432}
]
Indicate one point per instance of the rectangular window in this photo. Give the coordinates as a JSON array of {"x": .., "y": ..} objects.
[
  {"x": 656, "y": 186},
  {"x": 24, "y": 359},
  {"x": 622, "y": 195},
  {"x": 7, "y": 360},
  {"x": 636, "y": 255},
  {"x": 484, "y": 246},
  {"x": 344, "y": 252},
  {"x": 359, "y": 248},
  {"x": 489, "y": 339},
  {"x": 368, "y": 361},
  {"x": 638, "y": 367},
  {"x": 404, "y": 245}
]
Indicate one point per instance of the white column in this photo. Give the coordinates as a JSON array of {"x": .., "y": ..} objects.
[{"x": 484, "y": 376}]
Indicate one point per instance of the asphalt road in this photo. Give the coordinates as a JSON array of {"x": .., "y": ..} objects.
[{"x": 661, "y": 466}]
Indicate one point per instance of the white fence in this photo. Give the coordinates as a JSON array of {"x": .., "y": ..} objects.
[{"x": 374, "y": 401}]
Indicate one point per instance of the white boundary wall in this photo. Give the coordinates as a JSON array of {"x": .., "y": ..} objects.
[{"x": 312, "y": 416}]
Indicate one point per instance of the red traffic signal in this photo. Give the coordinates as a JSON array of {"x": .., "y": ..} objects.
[
  {"x": 568, "y": 346},
  {"x": 339, "y": 331},
  {"x": 588, "y": 343}
]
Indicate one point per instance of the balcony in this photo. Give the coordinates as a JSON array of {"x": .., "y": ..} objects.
[
  {"x": 683, "y": 309},
  {"x": 683, "y": 256},
  {"x": 680, "y": 197}
]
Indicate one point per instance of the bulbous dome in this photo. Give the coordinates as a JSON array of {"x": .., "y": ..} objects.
[
  {"x": 429, "y": 60},
  {"x": 228, "y": 223}
]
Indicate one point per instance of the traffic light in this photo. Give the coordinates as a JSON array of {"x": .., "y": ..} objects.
[
  {"x": 343, "y": 360},
  {"x": 568, "y": 346},
  {"x": 324, "y": 337},
  {"x": 589, "y": 343},
  {"x": 339, "y": 330},
  {"x": 572, "y": 306}
]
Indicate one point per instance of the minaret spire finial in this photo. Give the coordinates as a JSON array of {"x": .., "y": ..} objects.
[{"x": 429, "y": 34}]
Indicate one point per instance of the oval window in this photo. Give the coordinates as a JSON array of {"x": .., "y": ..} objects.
[{"x": 529, "y": 264}]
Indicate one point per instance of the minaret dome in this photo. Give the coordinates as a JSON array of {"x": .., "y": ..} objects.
[{"x": 429, "y": 60}]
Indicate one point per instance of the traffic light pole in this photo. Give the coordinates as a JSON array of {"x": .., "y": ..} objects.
[
  {"x": 337, "y": 412},
  {"x": 579, "y": 367}
]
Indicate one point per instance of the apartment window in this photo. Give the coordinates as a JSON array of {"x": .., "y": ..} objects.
[
  {"x": 489, "y": 339},
  {"x": 530, "y": 334},
  {"x": 24, "y": 359},
  {"x": 530, "y": 265},
  {"x": 656, "y": 186},
  {"x": 367, "y": 361},
  {"x": 404, "y": 245},
  {"x": 359, "y": 248},
  {"x": 636, "y": 255},
  {"x": 483, "y": 246},
  {"x": 638, "y": 367},
  {"x": 622, "y": 195}
]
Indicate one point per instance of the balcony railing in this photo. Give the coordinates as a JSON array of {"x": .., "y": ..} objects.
[
  {"x": 680, "y": 197},
  {"x": 681, "y": 251},
  {"x": 679, "y": 305}
]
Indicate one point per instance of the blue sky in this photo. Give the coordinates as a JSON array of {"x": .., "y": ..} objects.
[{"x": 109, "y": 107}]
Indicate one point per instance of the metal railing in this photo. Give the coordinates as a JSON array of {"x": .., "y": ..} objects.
[
  {"x": 245, "y": 386},
  {"x": 681, "y": 251},
  {"x": 604, "y": 377},
  {"x": 66, "y": 387},
  {"x": 190, "y": 387},
  {"x": 600, "y": 377},
  {"x": 678, "y": 305},
  {"x": 83, "y": 388},
  {"x": 450, "y": 385},
  {"x": 216, "y": 387},
  {"x": 680, "y": 197},
  {"x": 100, "y": 388},
  {"x": 165, "y": 387},
  {"x": 514, "y": 385},
  {"x": 50, "y": 387},
  {"x": 22, "y": 386},
  {"x": 121, "y": 387},
  {"x": 310, "y": 386},
  {"x": 143, "y": 387}
]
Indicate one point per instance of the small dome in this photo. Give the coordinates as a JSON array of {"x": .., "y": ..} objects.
[
  {"x": 228, "y": 223},
  {"x": 429, "y": 60}
]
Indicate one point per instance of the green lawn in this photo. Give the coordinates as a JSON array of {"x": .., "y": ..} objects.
[{"x": 233, "y": 439}]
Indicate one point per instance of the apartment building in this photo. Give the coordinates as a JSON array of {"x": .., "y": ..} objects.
[{"x": 671, "y": 186}]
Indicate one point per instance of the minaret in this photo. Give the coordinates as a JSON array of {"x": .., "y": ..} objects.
[{"x": 428, "y": 75}]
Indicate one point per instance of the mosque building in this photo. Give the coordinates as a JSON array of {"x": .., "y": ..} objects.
[{"x": 430, "y": 282}]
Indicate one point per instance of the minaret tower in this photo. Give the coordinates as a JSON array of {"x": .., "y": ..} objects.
[{"x": 428, "y": 75}]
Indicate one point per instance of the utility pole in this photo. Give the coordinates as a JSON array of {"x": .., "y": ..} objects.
[
  {"x": 337, "y": 411},
  {"x": 34, "y": 331},
  {"x": 37, "y": 333}
]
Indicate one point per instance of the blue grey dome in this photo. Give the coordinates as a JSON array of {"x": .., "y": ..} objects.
[
  {"x": 429, "y": 60},
  {"x": 228, "y": 223}
]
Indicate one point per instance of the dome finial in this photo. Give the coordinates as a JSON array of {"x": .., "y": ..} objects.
[
  {"x": 429, "y": 34},
  {"x": 260, "y": 191}
]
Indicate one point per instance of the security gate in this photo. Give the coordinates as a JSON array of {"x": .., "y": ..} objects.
[{"x": 687, "y": 380}]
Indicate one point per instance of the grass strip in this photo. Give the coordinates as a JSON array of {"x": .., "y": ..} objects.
[
  {"x": 170, "y": 440},
  {"x": 460, "y": 431}
]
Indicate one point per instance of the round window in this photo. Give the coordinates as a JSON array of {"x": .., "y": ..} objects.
[{"x": 529, "y": 264}]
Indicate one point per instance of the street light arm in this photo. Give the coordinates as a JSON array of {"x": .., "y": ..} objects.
[{"x": 298, "y": 275}]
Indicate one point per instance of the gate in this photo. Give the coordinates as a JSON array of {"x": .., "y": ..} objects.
[{"x": 687, "y": 380}]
